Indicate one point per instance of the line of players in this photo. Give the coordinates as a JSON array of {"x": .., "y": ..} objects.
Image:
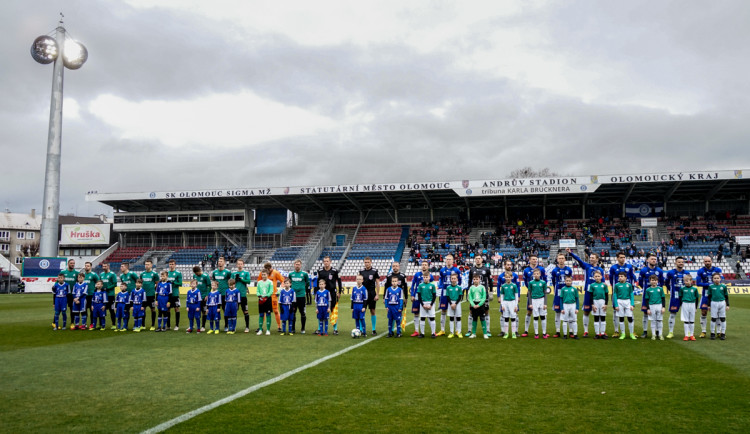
[{"x": 594, "y": 294}]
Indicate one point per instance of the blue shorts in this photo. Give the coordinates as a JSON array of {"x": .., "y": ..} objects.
[
  {"x": 588, "y": 301},
  {"x": 557, "y": 304},
  {"x": 674, "y": 304},
  {"x": 285, "y": 312},
  {"x": 415, "y": 307},
  {"x": 230, "y": 310},
  {"x": 97, "y": 310},
  {"x": 704, "y": 303},
  {"x": 137, "y": 312},
  {"x": 161, "y": 302},
  {"x": 194, "y": 309},
  {"x": 120, "y": 311},
  {"x": 61, "y": 304},
  {"x": 81, "y": 306},
  {"x": 393, "y": 313},
  {"x": 323, "y": 313},
  {"x": 213, "y": 313},
  {"x": 357, "y": 311},
  {"x": 444, "y": 302}
]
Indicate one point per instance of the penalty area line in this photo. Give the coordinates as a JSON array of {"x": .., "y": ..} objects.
[{"x": 198, "y": 411}]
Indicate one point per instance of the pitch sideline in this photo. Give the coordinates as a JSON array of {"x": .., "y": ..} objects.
[{"x": 191, "y": 414}]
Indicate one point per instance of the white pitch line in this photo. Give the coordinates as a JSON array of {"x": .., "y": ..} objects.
[{"x": 198, "y": 411}]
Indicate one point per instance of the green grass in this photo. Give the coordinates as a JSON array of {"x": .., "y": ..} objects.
[{"x": 126, "y": 382}]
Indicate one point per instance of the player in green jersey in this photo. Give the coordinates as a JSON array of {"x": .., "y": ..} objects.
[
  {"x": 455, "y": 295},
  {"x": 221, "y": 275},
  {"x": 301, "y": 286},
  {"x": 175, "y": 279},
  {"x": 242, "y": 279},
  {"x": 570, "y": 302},
  {"x": 427, "y": 295},
  {"x": 600, "y": 297},
  {"x": 509, "y": 306},
  {"x": 718, "y": 296},
  {"x": 90, "y": 278},
  {"x": 622, "y": 295},
  {"x": 150, "y": 278},
  {"x": 204, "y": 286},
  {"x": 477, "y": 300},
  {"x": 109, "y": 283},
  {"x": 689, "y": 300},
  {"x": 538, "y": 294},
  {"x": 654, "y": 297}
]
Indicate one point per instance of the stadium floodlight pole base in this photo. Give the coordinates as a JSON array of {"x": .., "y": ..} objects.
[{"x": 51, "y": 206}]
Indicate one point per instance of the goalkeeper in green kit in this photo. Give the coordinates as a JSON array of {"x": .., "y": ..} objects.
[{"x": 477, "y": 298}]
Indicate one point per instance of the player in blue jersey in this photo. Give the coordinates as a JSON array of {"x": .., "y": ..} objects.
[
  {"x": 703, "y": 281},
  {"x": 589, "y": 268},
  {"x": 323, "y": 305},
  {"x": 60, "y": 292},
  {"x": 557, "y": 280},
  {"x": 99, "y": 305},
  {"x": 287, "y": 299},
  {"x": 528, "y": 276},
  {"x": 394, "y": 300},
  {"x": 614, "y": 273},
  {"x": 502, "y": 280},
  {"x": 674, "y": 283},
  {"x": 230, "y": 307},
  {"x": 163, "y": 293},
  {"x": 122, "y": 299},
  {"x": 445, "y": 282},
  {"x": 644, "y": 277},
  {"x": 138, "y": 300},
  {"x": 413, "y": 292},
  {"x": 193, "y": 301},
  {"x": 78, "y": 313},
  {"x": 213, "y": 304},
  {"x": 359, "y": 299}
]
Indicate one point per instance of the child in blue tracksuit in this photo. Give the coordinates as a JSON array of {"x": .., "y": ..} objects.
[
  {"x": 78, "y": 314},
  {"x": 99, "y": 306},
  {"x": 287, "y": 298},
  {"x": 359, "y": 299},
  {"x": 230, "y": 307},
  {"x": 163, "y": 292},
  {"x": 394, "y": 301},
  {"x": 137, "y": 300},
  {"x": 323, "y": 303},
  {"x": 194, "y": 307},
  {"x": 213, "y": 302},
  {"x": 121, "y": 307},
  {"x": 60, "y": 292}
]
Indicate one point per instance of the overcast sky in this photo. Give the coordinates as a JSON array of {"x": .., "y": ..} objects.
[{"x": 190, "y": 94}]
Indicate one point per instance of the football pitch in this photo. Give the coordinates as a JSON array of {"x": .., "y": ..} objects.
[{"x": 103, "y": 381}]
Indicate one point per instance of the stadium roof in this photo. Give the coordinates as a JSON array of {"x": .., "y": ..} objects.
[{"x": 558, "y": 190}]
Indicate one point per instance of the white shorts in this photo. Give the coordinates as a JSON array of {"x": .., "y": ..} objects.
[
  {"x": 624, "y": 309},
  {"x": 537, "y": 307},
  {"x": 456, "y": 311},
  {"x": 718, "y": 309},
  {"x": 570, "y": 312},
  {"x": 656, "y": 314},
  {"x": 598, "y": 308},
  {"x": 509, "y": 309},
  {"x": 688, "y": 312},
  {"x": 427, "y": 313}
]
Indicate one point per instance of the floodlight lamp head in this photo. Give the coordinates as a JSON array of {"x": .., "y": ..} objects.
[
  {"x": 44, "y": 49},
  {"x": 75, "y": 54}
]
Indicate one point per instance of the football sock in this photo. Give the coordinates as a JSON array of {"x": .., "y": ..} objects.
[
  {"x": 528, "y": 321},
  {"x": 631, "y": 327},
  {"x": 703, "y": 323},
  {"x": 176, "y": 318},
  {"x": 247, "y": 320},
  {"x": 421, "y": 327},
  {"x": 645, "y": 322},
  {"x": 260, "y": 322},
  {"x": 442, "y": 321},
  {"x": 268, "y": 323},
  {"x": 557, "y": 322},
  {"x": 585, "y": 323},
  {"x": 544, "y": 325},
  {"x": 484, "y": 327},
  {"x": 452, "y": 324},
  {"x": 565, "y": 328},
  {"x": 373, "y": 321},
  {"x": 471, "y": 322},
  {"x": 671, "y": 322},
  {"x": 723, "y": 325},
  {"x": 536, "y": 325},
  {"x": 615, "y": 321},
  {"x": 432, "y": 325},
  {"x": 713, "y": 324},
  {"x": 487, "y": 319},
  {"x": 458, "y": 325},
  {"x": 514, "y": 323}
]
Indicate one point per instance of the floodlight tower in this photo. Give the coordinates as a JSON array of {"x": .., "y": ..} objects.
[{"x": 66, "y": 53}]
